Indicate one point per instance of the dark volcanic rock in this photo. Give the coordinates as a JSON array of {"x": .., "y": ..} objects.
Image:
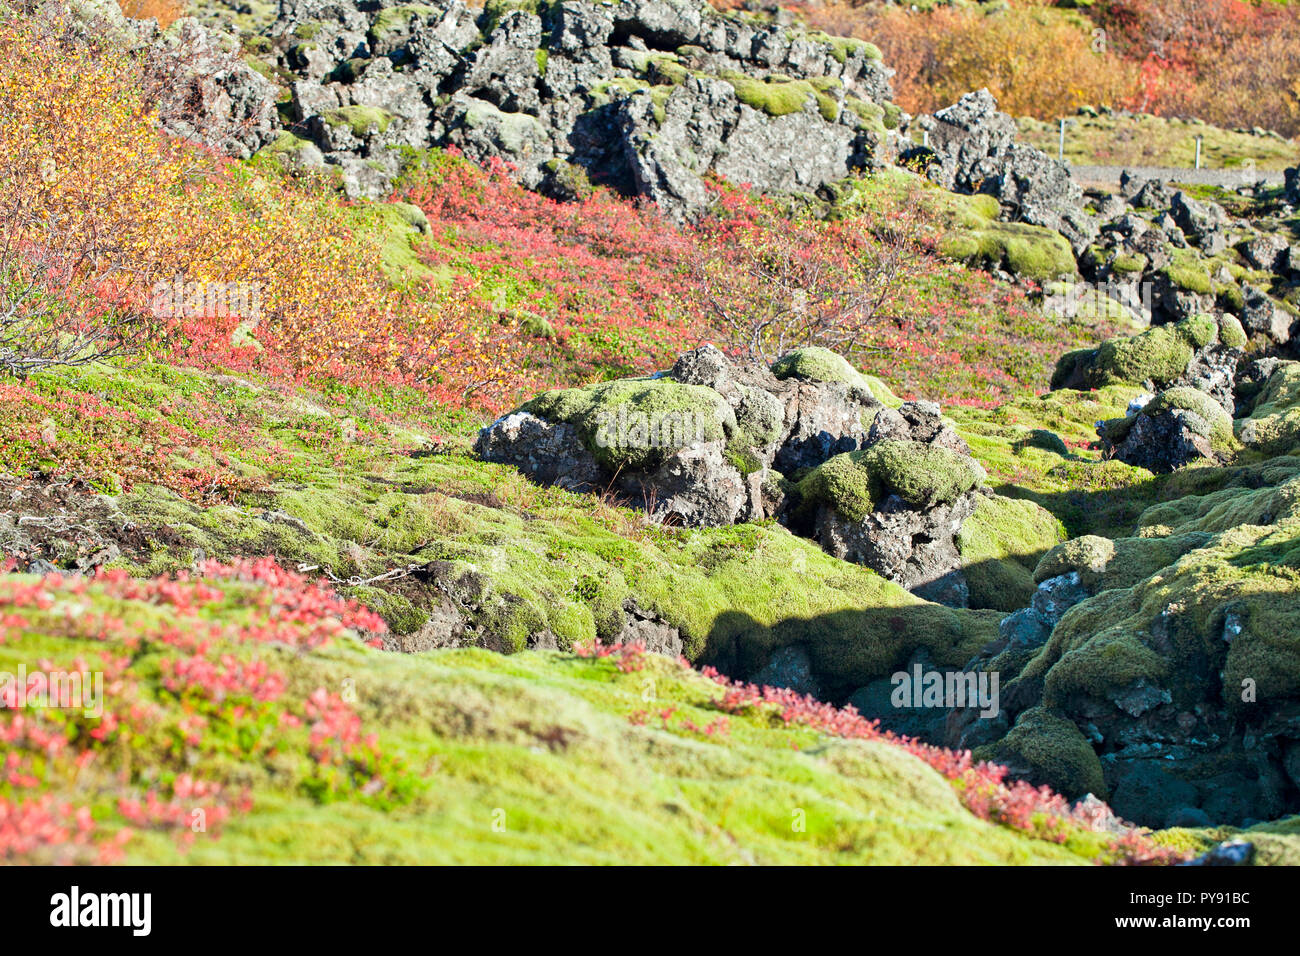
[
  {"x": 714, "y": 441},
  {"x": 1177, "y": 427},
  {"x": 974, "y": 148},
  {"x": 644, "y": 96}
]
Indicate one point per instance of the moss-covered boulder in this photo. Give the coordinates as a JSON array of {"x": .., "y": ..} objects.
[
  {"x": 1179, "y": 426},
  {"x": 1187, "y": 651},
  {"x": 709, "y": 441},
  {"x": 1048, "y": 749},
  {"x": 1273, "y": 426},
  {"x": 1001, "y": 544},
  {"x": 897, "y": 506},
  {"x": 1156, "y": 358}
]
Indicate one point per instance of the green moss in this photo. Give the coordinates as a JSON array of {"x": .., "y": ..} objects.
[
  {"x": 844, "y": 47},
  {"x": 1024, "y": 250},
  {"x": 542, "y": 56},
  {"x": 1159, "y": 354},
  {"x": 1209, "y": 418},
  {"x": 1273, "y": 426},
  {"x": 1102, "y": 563},
  {"x": 1189, "y": 278},
  {"x": 872, "y": 116},
  {"x": 664, "y": 69},
  {"x": 1129, "y": 264},
  {"x": 360, "y": 119},
  {"x": 922, "y": 475},
  {"x": 285, "y": 144},
  {"x": 1231, "y": 332},
  {"x": 1218, "y": 423},
  {"x": 1001, "y": 544},
  {"x": 1054, "y": 752},
  {"x": 635, "y": 423},
  {"x": 1200, "y": 330},
  {"x": 1230, "y": 297},
  {"x": 529, "y": 759},
  {"x": 843, "y": 483},
  {"x": 816, "y": 364},
  {"x": 1248, "y": 576},
  {"x": 494, "y": 11},
  {"x": 782, "y": 97}
]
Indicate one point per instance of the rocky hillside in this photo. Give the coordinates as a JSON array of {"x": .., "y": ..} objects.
[{"x": 689, "y": 591}]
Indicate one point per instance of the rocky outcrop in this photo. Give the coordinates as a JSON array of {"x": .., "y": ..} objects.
[
  {"x": 1177, "y": 427},
  {"x": 646, "y": 96},
  {"x": 1167, "y": 257},
  {"x": 212, "y": 95},
  {"x": 1157, "y": 670},
  {"x": 707, "y": 443},
  {"x": 972, "y": 148},
  {"x": 715, "y": 442}
]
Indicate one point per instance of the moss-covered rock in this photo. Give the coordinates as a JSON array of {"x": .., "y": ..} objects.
[
  {"x": 816, "y": 364},
  {"x": 361, "y": 120},
  {"x": 922, "y": 475},
  {"x": 1273, "y": 426},
  {"x": 852, "y": 484},
  {"x": 636, "y": 423},
  {"x": 780, "y": 96},
  {"x": 1051, "y": 751},
  {"x": 1001, "y": 544},
  {"x": 1158, "y": 355},
  {"x": 1103, "y": 563},
  {"x": 1218, "y": 423},
  {"x": 1031, "y": 252}
]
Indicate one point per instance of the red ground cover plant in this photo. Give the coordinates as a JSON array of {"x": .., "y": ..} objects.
[
  {"x": 70, "y": 791},
  {"x": 982, "y": 787}
]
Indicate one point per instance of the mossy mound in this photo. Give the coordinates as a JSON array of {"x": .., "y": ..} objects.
[
  {"x": 817, "y": 364},
  {"x": 1031, "y": 252},
  {"x": 1273, "y": 426},
  {"x": 1001, "y": 544},
  {"x": 1157, "y": 355},
  {"x": 1168, "y": 630},
  {"x": 781, "y": 96},
  {"x": 1226, "y": 508},
  {"x": 636, "y": 423},
  {"x": 1103, "y": 563},
  {"x": 361, "y": 120},
  {"x": 852, "y": 484},
  {"x": 1218, "y": 423}
]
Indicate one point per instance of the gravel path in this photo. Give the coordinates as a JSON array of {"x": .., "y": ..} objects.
[{"x": 1225, "y": 178}]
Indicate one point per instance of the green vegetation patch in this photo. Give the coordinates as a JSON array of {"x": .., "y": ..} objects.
[
  {"x": 1001, "y": 545},
  {"x": 636, "y": 423}
]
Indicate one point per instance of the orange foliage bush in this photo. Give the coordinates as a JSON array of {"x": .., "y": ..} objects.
[
  {"x": 101, "y": 207},
  {"x": 166, "y": 12},
  {"x": 1230, "y": 62},
  {"x": 1033, "y": 59}
]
